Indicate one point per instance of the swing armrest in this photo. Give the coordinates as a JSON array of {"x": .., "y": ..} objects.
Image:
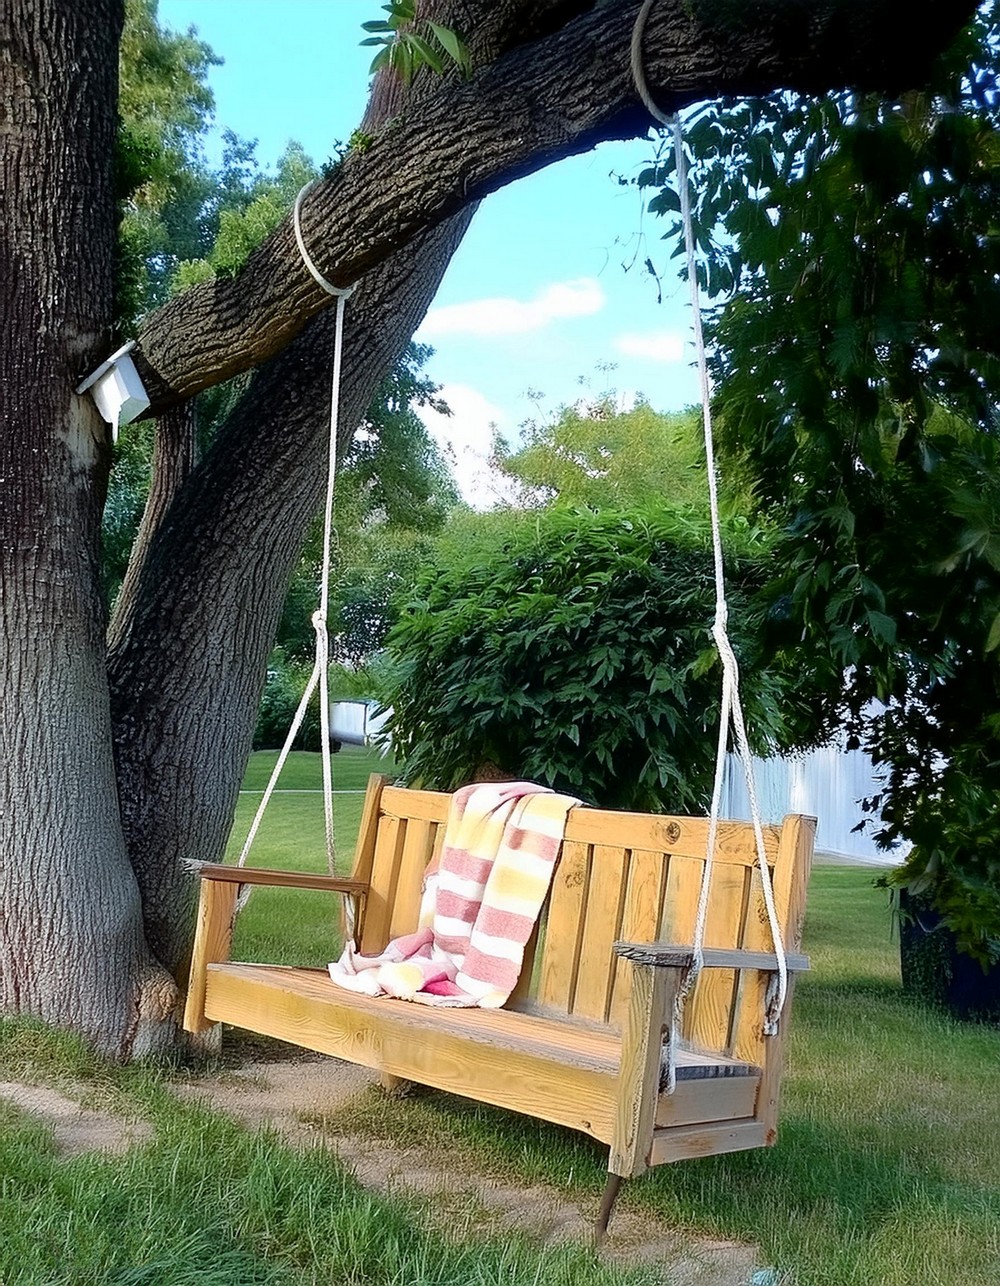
[
  {"x": 282, "y": 879},
  {"x": 667, "y": 955},
  {"x": 220, "y": 887}
]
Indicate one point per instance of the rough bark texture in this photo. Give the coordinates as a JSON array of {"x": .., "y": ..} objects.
[
  {"x": 93, "y": 888},
  {"x": 71, "y": 944},
  {"x": 187, "y": 671},
  {"x": 175, "y": 453}
]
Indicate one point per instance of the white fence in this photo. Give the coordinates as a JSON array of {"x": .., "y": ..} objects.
[{"x": 827, "y": 784}]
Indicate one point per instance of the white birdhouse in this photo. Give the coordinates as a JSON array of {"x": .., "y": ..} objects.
[{"x": 117, "y": 389}]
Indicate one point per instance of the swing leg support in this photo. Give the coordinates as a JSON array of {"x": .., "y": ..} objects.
[{"x": 610, "y": 1196}]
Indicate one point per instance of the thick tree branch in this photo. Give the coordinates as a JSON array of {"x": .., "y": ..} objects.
[{"x": 537, "y": 103}]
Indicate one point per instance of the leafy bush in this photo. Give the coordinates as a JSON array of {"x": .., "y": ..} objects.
[{"x": 574, "y": 649}]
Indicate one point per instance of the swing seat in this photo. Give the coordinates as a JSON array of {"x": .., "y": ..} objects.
[{"x": 580, "y": 1041}]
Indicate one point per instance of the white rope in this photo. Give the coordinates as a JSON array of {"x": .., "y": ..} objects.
[
  {"x": 731, "y": 704},
  {"x": 321, "y": 663}
]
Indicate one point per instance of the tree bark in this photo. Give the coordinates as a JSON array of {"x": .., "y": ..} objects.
[
  {"x": 71, "y": 942},
  {"x": 175, "y": 454}
]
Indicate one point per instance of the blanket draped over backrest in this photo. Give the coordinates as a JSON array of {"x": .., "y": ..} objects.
[{"x": 479, "y": 904}]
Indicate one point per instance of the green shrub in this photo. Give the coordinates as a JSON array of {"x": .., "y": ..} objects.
[{"x": 573, "y": 648}]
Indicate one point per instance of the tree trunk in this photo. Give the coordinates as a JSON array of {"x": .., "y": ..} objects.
[{"x": 71, "y": 942}]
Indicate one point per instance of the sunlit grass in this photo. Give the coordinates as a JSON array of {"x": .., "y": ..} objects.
[{"x": 292, "y": 926}]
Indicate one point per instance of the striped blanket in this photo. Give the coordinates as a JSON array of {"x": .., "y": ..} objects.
[{"x": 478, "y": 906}]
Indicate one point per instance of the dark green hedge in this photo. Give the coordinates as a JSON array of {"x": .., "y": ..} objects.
[{"x": 575, "y": 651}]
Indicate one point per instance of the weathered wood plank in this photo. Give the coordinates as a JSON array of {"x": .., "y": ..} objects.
[
  {"x": 715, "y": 958},
  {"x": 213, "y": 939},
  {"x": 791, "y": 879},
  {"x": 216, "y": 873},
  {"x": 564, "y": 928},
  {"x": 380, "y": 903},
  {"x": 683, "y": 836},
  {"x": 602, "y": 925},
  {"x": 697, "y": 1102},
  {"x": 640, "y": 921},
  {"x": 421, "y": 805},
  {"x": 418, "y": 842},
  {"x": 650, "y": 993},
  {"x": 683, "y": 1142},
  {"x": 709, "y": 1013},
  {"x": 401, "y": 1040}
]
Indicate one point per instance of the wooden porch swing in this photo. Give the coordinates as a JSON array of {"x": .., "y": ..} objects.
[
  {"x": 580, "y": 1041},
  {"x": 646, "y": 1013}
]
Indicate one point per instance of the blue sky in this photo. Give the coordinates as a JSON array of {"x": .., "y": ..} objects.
[{"x": 537, "y": 297}]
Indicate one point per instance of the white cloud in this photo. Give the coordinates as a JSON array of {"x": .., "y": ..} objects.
[
  {"x": 653, "y": 346},
  {"x": 466, "y": 438},
  {"x": 505, "y": 316}
]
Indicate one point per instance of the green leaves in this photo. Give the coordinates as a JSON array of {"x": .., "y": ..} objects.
[
  {"x": 855, "y": 264},
  {"x": 405, "y": 45},
  {"x": 571, "y": 647}
]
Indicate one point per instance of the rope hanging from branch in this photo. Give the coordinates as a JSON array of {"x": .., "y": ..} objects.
[
  {"x": 731, "y": 703},
  {"x": 321, "y": 664}
]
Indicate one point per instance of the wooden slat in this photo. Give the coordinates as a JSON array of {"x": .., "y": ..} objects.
[
  {"x": 364, "y": 851},
  {"x": 647, "y": 879},
  {"x": 680, "y": 904},
  {"x": 213, "y": 938},
  {"x": 791, "y": 879},
  {"x": 432, "y": 1047},
  {"x": 709, "y": 1012},
  {"x": 421, "y": 805},
  {"x": 698, "y": 1102},
  {"x": 651, "y": 991},
  {"x": 602, "y": 925},
  {"x": 563, "y": 928},
  {"x": 681, "y": 1143},
  {"x": 665, "y": 953},
  {"x": 686, "y": 836},
  {"x": 382, "y": 890},
  {"x": 281, "y": 879},
  {"x": 523, "y": 986},
  {"x": 417, "y": 845}
]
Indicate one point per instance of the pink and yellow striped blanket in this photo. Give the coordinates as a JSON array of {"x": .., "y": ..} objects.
[{"x": 478, "y": 906}]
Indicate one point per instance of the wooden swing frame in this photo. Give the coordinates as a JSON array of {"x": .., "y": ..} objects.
[{"x": 580, "y": 1042}]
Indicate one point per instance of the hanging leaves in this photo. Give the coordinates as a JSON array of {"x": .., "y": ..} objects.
[{"x": 406, "y": 44}]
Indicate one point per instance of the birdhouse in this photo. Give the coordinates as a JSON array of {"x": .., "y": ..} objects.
[{"x": 117, "y": 389}]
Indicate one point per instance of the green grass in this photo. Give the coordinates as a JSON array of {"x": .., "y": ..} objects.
[
  {"x": 294, "y": 926},
  {"x": 887, "y": 1172},
  {"x": 211, "y": 1203}
]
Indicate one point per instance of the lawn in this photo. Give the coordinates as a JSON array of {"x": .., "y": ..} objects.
[{"x": 885, "y": 1173}]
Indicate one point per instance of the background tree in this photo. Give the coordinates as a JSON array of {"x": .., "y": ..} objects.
[
  {"x": 573, "y": 648},
  {"x": 122, "y": 752},
  {"x": 858, "y": 369}
]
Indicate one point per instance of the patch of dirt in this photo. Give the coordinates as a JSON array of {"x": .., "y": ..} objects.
[
  {"x": 295, "y": 1098},
  {"x": 76, "y": 1129}
]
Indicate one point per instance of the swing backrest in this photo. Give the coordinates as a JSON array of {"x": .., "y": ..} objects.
[{"x": 620, "y": 876}]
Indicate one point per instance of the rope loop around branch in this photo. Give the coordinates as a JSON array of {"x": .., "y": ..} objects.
[{"x": 340, "y": 292}]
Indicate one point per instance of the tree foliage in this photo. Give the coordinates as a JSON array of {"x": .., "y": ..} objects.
[
  {"x": 598, "y": 456},
  {"x": 858, "y": 368}
]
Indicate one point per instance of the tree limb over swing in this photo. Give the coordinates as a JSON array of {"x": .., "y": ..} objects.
[{"x": 561, "y": 94}]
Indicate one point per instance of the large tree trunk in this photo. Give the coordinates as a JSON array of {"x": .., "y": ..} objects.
[
  {"x": 95, "y": 899},
  {"x": 71, "y": 942},
  {"x": 188, "y": 664}
]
